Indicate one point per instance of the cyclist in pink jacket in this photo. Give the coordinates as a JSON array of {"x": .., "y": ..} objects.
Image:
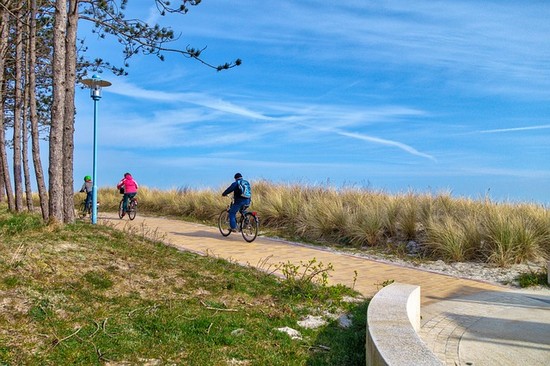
[{"x": 130, "y": 187}]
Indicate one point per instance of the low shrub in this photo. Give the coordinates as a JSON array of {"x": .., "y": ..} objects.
[{"x": 533, "y": 278}]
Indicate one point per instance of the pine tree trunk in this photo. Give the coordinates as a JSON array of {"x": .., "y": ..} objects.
[
  {"x": 35, "y": 137},
  {"x": 55, "y": 170},
  {"x": 17, "y": 115},
  {"x": 3, "y": 45},
  {"x": 4, "y": 29},
  {"x": 25, "y": 130},
  {"x": 4, "y": 156},
  {"x": 68, "y": 126},
  {"x": 2, "y": 185}
]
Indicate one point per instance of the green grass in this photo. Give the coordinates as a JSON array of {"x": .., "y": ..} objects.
[
  {"x": 91, "y": 295},
  {"x": 533, "y": 278}
]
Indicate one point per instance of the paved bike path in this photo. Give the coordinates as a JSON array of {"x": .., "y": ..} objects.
[{"x": 464, "y": 322}]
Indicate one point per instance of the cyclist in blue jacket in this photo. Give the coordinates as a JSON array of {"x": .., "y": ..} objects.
[{"x": 238, "y": 200}]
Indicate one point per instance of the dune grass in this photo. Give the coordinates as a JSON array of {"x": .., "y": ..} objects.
[
  {"x": 447, "y": 228},
  {"x": 85, "y": 294}
]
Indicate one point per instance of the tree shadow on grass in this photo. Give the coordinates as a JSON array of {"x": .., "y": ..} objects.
[{"x": 336, "y": 345}]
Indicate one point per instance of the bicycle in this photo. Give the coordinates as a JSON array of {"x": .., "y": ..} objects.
[
  {"x": 131, "y": 209},
  {"x": 83, "y": 211},
  {"x": 248, "y": 223}
]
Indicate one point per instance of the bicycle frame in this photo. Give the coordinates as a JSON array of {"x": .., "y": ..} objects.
[
  {"x": 247, "y": 221},
  {"x": 131, "y": 209}
]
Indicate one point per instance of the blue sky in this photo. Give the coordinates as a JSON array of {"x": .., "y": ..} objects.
[{"x": 398, "y": 96}]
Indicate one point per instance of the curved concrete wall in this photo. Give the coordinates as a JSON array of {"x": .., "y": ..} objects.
[{"x": 393, "y": 320}]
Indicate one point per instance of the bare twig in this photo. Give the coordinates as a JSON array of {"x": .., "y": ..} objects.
[
  {"x": 67, "y": 337},
  {"x": 216, "y": 309},
  {"x": 17, "y": 253},
  {"x": 97, "y": 329},
  {"x": 319, "y": 347},
  {"x": 185, "y": 317},
  {"x": 104, "y": 327},
  {"x": 143, "y": 308},
  {"x": 262, "y": 263},
  {"x": 100, "y": 355},
  {"x": 133, "y": 311},
  {"x": 276, "y": 268}
]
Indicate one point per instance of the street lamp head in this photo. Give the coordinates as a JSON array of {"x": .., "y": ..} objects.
[{"x": 95, "y": 84}]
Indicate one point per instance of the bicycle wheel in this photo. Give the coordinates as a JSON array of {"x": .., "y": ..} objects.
[
  {"x": 82, "y": 210},
  {"x": 249, "y": 227},
  {"x": 223, "y": 223},
  {"x": 120, "y": 210},
  {"x": 132, "y": 209}
]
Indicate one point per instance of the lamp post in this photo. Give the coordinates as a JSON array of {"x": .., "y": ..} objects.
[{"x": 95, "y": 84}]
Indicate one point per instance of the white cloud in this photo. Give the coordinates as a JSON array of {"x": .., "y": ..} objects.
[
  {"x": 499, "y": 46},
  {"x": 377, "y": 140},
  {"x": 516, "y": 129},
  {"x": 200, "y": 99},
  {"x": 324, "y": 118}
]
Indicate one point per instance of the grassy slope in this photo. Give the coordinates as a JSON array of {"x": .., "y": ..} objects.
[{"x": 88, "y": 295}]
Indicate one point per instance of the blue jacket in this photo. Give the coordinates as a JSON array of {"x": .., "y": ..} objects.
[{"x": 234, "y": 187}]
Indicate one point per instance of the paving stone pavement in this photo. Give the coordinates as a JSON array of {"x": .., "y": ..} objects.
[{"x": 464, "y": 322}]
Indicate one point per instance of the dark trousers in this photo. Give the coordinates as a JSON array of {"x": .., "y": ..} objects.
[
  {"x": 88, "y": 203},
  {"x": 127, "y": 196},
  {"x": 235, "y": 207}
]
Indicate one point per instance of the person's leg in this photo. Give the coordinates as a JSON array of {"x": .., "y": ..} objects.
[
  {"x": 239, "y": 207},
  {"x": 125, "y": 203},
  {"x": 233, "y": 215},
  {"x": 89, "y": 200},
  {"x": 130, "y": 196}
]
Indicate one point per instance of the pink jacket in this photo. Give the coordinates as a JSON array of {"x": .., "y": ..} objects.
[{"x": 129, "y": 184}]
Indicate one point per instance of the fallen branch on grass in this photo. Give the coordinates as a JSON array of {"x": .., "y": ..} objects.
[
  {"x": 57, "y": 342},
  {"x": 216, "y": 309}
]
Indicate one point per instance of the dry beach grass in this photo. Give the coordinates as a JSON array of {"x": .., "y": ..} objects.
[{"x": 438, "y": 227}]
